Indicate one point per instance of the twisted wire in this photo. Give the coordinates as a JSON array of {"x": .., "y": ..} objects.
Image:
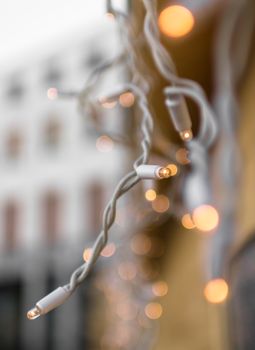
[
  {"x": 167, "y": 69},
  {"x": 125, "y": 184}
]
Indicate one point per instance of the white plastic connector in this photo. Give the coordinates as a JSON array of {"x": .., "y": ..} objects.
[
  {"x": 146, "y": 171},
  {"x": 50, "y": 302},
  {"x": 180, "y": 116}
]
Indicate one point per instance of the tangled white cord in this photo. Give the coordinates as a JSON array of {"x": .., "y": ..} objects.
[{"x": 141, "y": 170}]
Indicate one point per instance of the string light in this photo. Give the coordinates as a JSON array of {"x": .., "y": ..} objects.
[
  {"x": 52, "y": 93},
  {"x": 182, "y": 156},
  {"x": 153, "y": 311},
  {"x": 147, "y": 171},
  {"x": 205, "y": 218},
  {"x": 176, "y": 21},
  {"x": 107, "y": 104},
  {"x": 109, "y": 250},
  {"x": 150, "y": 195},
  {"x": 130, "y": 93},
  {"x": 216, "y": 291},
  {"x": 127, "y": 99},
  {"x": 87, "y": 254},
  {"x": 173, "y": 169},
  {"x": 160, "y": 288},
  {"x": 187, "y": 222},
  {"x": 104, "y": 144},
  {"x": 186, "y": 135},
  {"x": 141, "y": 244}
]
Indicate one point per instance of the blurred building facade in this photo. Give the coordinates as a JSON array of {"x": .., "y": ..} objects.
[{"x": 56, "y": 178}]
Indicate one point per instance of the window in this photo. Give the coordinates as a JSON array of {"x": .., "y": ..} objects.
[
  {"x": 51, "y": 216},
  {"x": 11, "y": 224},
  {"x": 13, "y": 145},
  {"x": 94, "y": 197},
  {"x": 52, "y": 135}
]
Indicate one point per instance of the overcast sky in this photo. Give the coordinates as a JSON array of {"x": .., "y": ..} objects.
[{"x": 30, "y": 26}]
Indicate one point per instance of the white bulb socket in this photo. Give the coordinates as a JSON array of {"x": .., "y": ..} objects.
[{"x": 146, "y": 171}]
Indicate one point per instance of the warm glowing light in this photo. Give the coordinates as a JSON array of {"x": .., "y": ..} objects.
[
  {"x": 108, "y": 104},
  {"x": 182, "y": 156},
  {"x": 108, "y": 250},
  {"x": 186, "y": 135},
  {"x": 127, "y": 99},
  {"x": 141, "y": 244},
  {"x": 173, "y": 168},
  {"x": 164, "y": 173},
  {"x": 120, "y": 217},
  {"x": 153, "y": 311},
  {"x": 127, "y": 271},
  {"x": 160, "y": 204},
  {"x": 216, "y": 291},
  {"x": 160, "y": 288},
  {"x": 33, "y": 313},
  {"x": 87, "y": 254},
  {"x": 206, "y": 218},
  {"x": 52, "y": 93},
  {"x": 150, "y": 195},
  {"x": 176, "y": 21},
  {"x": 104, "y": 144},
  {"x": 187, "y": 222}
]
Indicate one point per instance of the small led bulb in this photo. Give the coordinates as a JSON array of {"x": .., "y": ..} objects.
[
  {"x": 33, "y": 313},
  {"x": 180, "y": 116},
  {"x": 164, "y": 173},
  {"x": 147, "y": 171},
  {"x": 186, "y": 135}
]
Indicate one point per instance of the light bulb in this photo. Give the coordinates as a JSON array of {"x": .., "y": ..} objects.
[
  {"x": 186, "y": 135},
  {"x": 216, "y": 291},
  {"x": 147, "y": 171},
  {"x": 33, "y": 313},
  {"x": 164, "y": 173}
]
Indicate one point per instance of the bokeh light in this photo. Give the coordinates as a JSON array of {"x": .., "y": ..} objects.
[
  {"x": 161, "y": 204},
  {"x": 216, "y": 291},
  {"x": 127, "y": 99},
  {"x": 205, "y": 218},
  {"x": 176, "y": 21},
  {"x": 153, "y": 311},
  {"x": 150, "y": 195},
  {"x": 182, "y": 156},
  {"x": 187, "y": 222},
  {"x": 104, "y": 144},
  {"x": 127, "y": 311},
  {"x": 107, "y": 104},
  {"x": 108, "y": 250},
  {"x": 87, "y": 254},
  {"x": 52, "y": 93},
  {"x": 173, "y": 168},
  {"x": 141, "y": 244},
  {"x": 127, "y": 271},
  {"x": 160, "y": 288}
]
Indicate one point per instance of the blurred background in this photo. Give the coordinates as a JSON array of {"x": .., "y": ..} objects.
[{"x": 60, "y": 164}]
